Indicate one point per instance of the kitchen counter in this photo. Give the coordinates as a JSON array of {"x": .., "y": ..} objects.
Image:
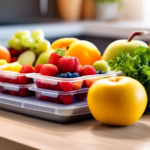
[
  {"x": 116, "y": 29},
  {"x": 86, "y": 135}
]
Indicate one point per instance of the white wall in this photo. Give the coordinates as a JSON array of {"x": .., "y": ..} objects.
[{"x": 136, "y": 9}]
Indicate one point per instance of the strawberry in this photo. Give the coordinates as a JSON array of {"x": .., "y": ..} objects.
[
  {"x": 49, "y": 70},
  {"x": 38, "y": 68},
  {"x": 78, "y": 68},
  {"x": 88, "y": 70},
  {"x": 3, "y": 79},
  {"x": 27, "y": 69},
  {"x": 76, "y": 61},
  {"x": 55, "y": 87},
  {"x": 13, "y": 93},
  {"x": 81, "y": 97},
  {"x": 23, "y": 92},
  {"x": 13, "y": 81},
  {"x": 66, "y": 86},
  {"x": 66, "y": 64},
  {"x": 66, "y": 99},
  {"x": 55, "y": 56},
  {"x": 23, "y": 80},
  {"x": 56, "y": 100}
]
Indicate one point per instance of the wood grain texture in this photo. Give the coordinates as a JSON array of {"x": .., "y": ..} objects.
[{"x": 87, "y": 135}]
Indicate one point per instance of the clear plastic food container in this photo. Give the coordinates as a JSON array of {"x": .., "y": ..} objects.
[
  {"x": 14, "y": 77},
  {"x": 59, "y": 97},
  {"x": 50, "y": 111},
  {"x": 67, "y": 84},
  {"x": 16, "y": 90}
]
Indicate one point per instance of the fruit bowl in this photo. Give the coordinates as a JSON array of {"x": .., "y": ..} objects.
[
  {"x": 59, "y": 97},
  {"x": 67, "y": 84},
  {"x": 14, "y": 77},
  {"x": 16, "y": 90}
]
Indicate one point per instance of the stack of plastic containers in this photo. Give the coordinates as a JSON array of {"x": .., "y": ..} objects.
[
  {"x": 15, "y": 84},
  {"x": 52, "y": 101}
]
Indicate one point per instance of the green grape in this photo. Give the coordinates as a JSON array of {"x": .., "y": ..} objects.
[
  {"x": 20, "y": 33},
  {"x": 27, "y": 41},
  {"x": 43, "y": 45},
  {"x": 35, "y": 49},
  {"x": 39, "y": 38},
  {"x": 17, "y": 44},
  {"x": 10, "y": 42},
  {"x": 37, "y": 33}
]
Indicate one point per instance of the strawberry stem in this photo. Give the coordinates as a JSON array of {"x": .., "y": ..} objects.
[{"x": 60, "y": 51}]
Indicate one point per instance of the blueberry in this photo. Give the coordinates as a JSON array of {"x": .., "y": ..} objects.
[
  {"x": 98, "y": 72},
  {"x": 62, "y": 75},
  {"x": 59, "y": 75},
  {"x": 102, "y": 72},
  {"x": 68, "y": 74},
  {"x": 75, "y": 74}
]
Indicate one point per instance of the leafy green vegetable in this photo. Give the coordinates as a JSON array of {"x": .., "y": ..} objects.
[{"x": 136, "y": 66}]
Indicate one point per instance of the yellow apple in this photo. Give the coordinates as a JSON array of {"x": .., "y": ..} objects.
[
  {"x": 124, "y": 45},
  {"x": 118, "y": 101}
]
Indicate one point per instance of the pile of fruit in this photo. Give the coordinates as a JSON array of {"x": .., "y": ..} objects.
[
  {"x": 16, "y": 68},
  {"x": 68, "y": 59},
  {"x": 24, "y": 44},
  {"x": 62, "y": 66}
]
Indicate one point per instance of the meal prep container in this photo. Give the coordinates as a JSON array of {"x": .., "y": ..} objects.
[
  {"x": 59, "y": 97},
  {"x": 49, "y": 111},
  {"x": 16, "y": 90},
  {"x": 14, "y": 77},
  {"x": 55, "y": 83}
]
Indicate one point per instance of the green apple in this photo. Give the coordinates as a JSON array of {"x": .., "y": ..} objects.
[
  {"x": 27, "y": 57},
  {"x": 100, "y": 65},
  {"x": 44, "y": 57},
  {"x": 124, "y": 45}
]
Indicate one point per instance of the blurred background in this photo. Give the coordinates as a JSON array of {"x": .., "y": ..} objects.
[{"x": 99, "y": 21}]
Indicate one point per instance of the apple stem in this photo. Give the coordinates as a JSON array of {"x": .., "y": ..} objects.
[{"x": 139, "y": 33}]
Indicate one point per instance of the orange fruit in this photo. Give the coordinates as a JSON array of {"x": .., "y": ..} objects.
[
  {"x": 5, "y": 54},
  {"x": 118, "y": 101},
  {"x": 63, "y": 43},
  {"x": 85, "y": 51}
]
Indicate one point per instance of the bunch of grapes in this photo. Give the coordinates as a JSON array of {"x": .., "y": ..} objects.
[{"x": 23, "y": 40}]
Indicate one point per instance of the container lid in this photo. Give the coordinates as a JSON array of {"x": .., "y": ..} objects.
[
  {"x": 31, "y": 103},
  {"x": 56, "y": 79},
  {"x": 55, "y": 94},
  {"x": 14, "y": 87}
]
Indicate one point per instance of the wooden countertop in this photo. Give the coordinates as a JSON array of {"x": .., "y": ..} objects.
[{"x": 86, "y": 135}]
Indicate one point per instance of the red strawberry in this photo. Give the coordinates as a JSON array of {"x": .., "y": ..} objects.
[
  {"x": 55, "y": 56},
  {"x": 3, "y": 79},
  {"x": 27, "y": 69},
  {"x": 66, "y": 64},
  {"x": 39, "y": 84},
  {"x": 23, "y": 92},
  {"x": 76, "y": 61},
  {"x": 38, "y": 68},
  {"x": 66, "y": 99},
  {"x": 49, "y": 70},
  {"x": 56, "y": 100},
  {"x": 55, "y": 87},
  {"x": 81, "y": 97},
  {"x": 78, "y": 68},
  {"x": 66, "y": 86},
  {"x": 13, "y": 93},
  {"x": 88, "y": 70},
  {"x": 13, "y": 81},
  {"x": 23, "y": 80}
]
